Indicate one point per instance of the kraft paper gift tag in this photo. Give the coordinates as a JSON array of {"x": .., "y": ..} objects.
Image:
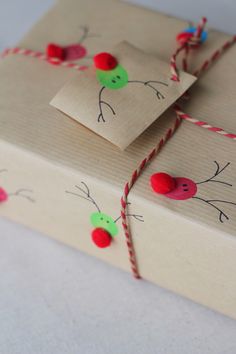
[{"x": 121, "y": 103}]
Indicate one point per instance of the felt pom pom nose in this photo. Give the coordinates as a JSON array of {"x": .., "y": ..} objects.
[
  {"x": 162, "y": 183},
  {"x": 104, "y": 61},
  {"x": 55, "y": 51},
  {"x": 183, "y": 37},
  {"x": 101, "y": 237}
]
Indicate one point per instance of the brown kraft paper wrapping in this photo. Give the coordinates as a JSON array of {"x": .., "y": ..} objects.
[{"x": 181, "y": 245}]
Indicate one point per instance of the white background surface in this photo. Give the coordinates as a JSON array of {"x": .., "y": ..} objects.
[{"x": 54, "y": 299}]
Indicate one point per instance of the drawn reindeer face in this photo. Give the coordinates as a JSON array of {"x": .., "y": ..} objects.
[
  {"x": 105, "y": 226},
  {"x": 113, "y": 76},
  {"x": 113, "y": 79},
  {"x": 71, "y": 52},
  {"x": 185, "y": 188},
  {"x": 22, "y": 192},
  {"x": 104, "y": 221},
  {"x": 78, "y": 51}
]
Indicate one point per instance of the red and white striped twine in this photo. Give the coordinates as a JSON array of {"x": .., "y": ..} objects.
[
  {"x": 205, "y": 66},
  {"x": 192, "y": 43},
  {"x": 42, "y": 56},
  {"x": 216, "y": 55},
  {"x": 180, "y": 115},
  {"x": 202, "y": 124},
  {"x": 130, "y": 184}
]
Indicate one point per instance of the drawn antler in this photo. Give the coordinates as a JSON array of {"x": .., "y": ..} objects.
[
  {"x": 148, "y": 84},
  {"x": 218, "y": 171},
  {"x": 101, "y": 102},
  {"x": 86, "y": 195},
  {"x": 86, "y": 34},
  {"x": 135, "y": 216},
  {"x": 221, "y": 212},
  {"x": 212, "y": 202},
  {"x": 145, "y": 83},
  {"x": 20, "y": 193}
]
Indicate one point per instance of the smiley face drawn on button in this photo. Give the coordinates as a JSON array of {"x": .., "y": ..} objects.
[
  {"x": 113, "y": 79},
  {"x": 71, "y": 52},
  {"x": 105, "y": 222},
  {"x": 114, "y": 76},
  {"x": 74, "y": 52},
  {"x": 100, "y": 220},
  {"x": 185, "y": 188}
]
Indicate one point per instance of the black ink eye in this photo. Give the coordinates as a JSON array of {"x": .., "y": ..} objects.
[
  {"x": 107, "y": 222},
  {"x": 114, "y": 81},
  {"x": 118, "y": 76},
  {"x": 184, "y": 185},
  {"x": 185, "y": 190}
]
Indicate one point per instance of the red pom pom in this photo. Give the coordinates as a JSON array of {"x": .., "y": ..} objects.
[
  {"x": 105, "y": 61},
  {"x": 101, "y": 237},
  {"x": 183, "y": 37},
  {"x": 3, "y": 195},
  {"x": 55, "y": 51},
  {"x": 162, "y": 183}
]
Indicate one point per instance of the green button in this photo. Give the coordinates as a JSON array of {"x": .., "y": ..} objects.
[
  {"x": 105, "y": 222},
  {"x": 113, "y": 79}
]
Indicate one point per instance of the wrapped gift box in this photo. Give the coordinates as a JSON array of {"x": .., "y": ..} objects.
[{"x": 181, "y": 245}]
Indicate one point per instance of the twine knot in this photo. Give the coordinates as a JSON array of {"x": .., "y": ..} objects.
[
  {"x": 199, "y": 35},
  {"x": 190, "y": 38}
]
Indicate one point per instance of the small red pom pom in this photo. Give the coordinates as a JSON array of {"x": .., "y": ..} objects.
[
  {"x": 183, "y": 37},
  {"x": 162, "y": 183},
  {"x": 55, "y": 51},
  {"x": 3, "y": 195},
  {"x": 101, "y": 237},
  {"x": 104, "y": 61}
]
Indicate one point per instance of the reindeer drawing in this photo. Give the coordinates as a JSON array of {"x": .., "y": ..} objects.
[
  {"x": 114, "y": 76},
  {"x": 105, "y": 226},
  {"x": 21, "y": 192},
  {"x": 182, "y": 188}
]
